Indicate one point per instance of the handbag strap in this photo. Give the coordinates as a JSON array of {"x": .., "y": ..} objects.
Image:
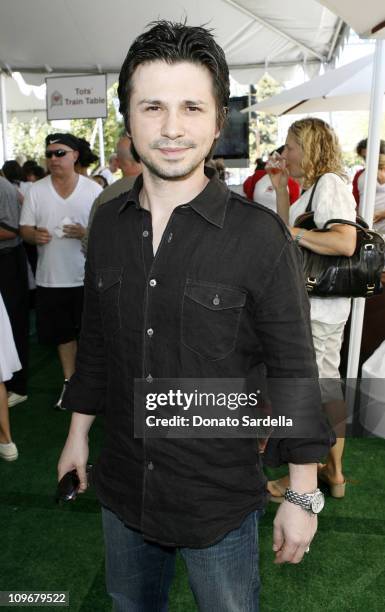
[
  {"x": 362, "y": 225},
  {"x": 345, "y": 222},
  {"x": 308, "y": 207}
]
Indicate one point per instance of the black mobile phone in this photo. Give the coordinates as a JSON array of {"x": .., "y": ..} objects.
[{"x": 68, "y": 486}]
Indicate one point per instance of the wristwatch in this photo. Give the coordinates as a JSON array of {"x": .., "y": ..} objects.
[{"x": 311, "y": 502}]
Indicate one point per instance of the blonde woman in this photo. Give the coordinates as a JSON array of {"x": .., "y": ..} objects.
[{"x": 312, "y": 152}]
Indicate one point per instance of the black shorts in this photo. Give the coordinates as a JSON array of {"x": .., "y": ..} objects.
[{"x": 58, "y": 314}]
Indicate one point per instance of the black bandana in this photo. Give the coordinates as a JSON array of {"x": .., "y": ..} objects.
[{"x": 65, "y": 139}]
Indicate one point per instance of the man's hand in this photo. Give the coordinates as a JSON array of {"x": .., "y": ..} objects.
[
  {"x": 42, "y": 236},
  {"x": 294, "y": 529},
  {"x": 76, "y": 231},
  {"x": 75, "y": 456}
]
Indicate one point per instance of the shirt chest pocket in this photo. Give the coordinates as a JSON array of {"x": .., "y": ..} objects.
[
  {"x": 210, "y": 318},
  {"x": 108, "y": 285}
]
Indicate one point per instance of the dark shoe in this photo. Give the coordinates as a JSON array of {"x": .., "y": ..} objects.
[{"x": 59, "y": 405}]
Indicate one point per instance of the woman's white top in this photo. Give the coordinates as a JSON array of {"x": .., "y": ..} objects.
[
  {"x": 332, "y": 200},
  {"x": 9, "y": 359}
]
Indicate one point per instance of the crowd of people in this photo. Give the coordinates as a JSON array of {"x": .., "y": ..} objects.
[
  {"x": 44, "y": 219},
  {"x": 63, "y": 199},
  {"x": 198, "y": 281}
]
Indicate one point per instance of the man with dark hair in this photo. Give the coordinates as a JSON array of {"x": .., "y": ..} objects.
[
  {"x": 186, "y": 280},
  {"x": 54, "y": 217}
]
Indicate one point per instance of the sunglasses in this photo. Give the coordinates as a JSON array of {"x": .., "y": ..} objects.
[
  {"x": 57, "y": 153},
  {"x": 68, "y": 487}
]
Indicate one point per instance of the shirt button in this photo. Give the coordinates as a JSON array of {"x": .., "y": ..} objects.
[
  {"x": 169, "y": 237},
  {"x": 100, "y": 283},
  {"x": 216, "y": 301},
  {"x": 149, "y": 378},
  {"x": 150, "y": 465},
  {"x": 153, "y": 282},
  {"x": 145, "y": 234},
  {"x": 150, "y": 332}
]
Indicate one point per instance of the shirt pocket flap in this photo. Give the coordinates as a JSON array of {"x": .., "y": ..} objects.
[
  {"x": 215, "y": 297},
  {"x": 107, "y": 278}
]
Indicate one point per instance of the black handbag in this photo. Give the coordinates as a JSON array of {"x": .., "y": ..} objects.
[{"x": 339, "y": 275}]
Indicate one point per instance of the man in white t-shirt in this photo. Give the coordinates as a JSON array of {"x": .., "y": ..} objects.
[{"x": 54, "y": 217}]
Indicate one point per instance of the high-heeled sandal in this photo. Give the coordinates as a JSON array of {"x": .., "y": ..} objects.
[
  {"x": 276, "y": 485},
  {"x": 336, "y": 490}
]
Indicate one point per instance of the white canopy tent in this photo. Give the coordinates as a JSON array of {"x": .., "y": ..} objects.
[
  {"x": 69, "y": 37},
  {"x": 366, "y": 18},
  {"x": 84, "y": 37},
  {"x": 24, "y": 101},
  {"x": 344, "y": 89}
]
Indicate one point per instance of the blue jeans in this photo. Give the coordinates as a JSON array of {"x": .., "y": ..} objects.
[{"x": 223, "y": 577}]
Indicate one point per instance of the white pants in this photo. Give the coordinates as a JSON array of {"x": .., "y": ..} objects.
[{"x": 327, "y": 339}]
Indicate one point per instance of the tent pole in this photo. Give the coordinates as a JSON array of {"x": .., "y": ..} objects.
[
  {"x": 101, "y": 142},
  {"x": 367, "y": 209},
  {"x": 4, "y": 126},
  {"x": 93, "y": 135}
]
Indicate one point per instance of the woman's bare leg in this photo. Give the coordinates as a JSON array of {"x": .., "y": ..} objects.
[{"x": 5, "y": 430}]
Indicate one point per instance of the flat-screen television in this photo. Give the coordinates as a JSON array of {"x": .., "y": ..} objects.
[{"x": 233, "y": 143}]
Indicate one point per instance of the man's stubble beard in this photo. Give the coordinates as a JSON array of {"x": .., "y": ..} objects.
[
  {"x": 173, "y": 174},
  {"x": 170, "y": 174}
]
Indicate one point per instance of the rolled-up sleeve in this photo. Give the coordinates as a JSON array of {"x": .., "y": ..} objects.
[
  {"x": 86, "y": 391},
  {"x": 283, "y": 326}
]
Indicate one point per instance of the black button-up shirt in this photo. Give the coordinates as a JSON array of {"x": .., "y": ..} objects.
[{"x": 223, "y": 294}]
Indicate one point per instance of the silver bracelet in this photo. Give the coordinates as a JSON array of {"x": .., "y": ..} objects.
[{"x": 299, "y": 236}]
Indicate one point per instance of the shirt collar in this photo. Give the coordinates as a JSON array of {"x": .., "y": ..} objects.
[{"x": 211, "y": 203}]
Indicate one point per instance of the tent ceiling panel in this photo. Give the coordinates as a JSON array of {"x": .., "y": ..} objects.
[
  {"x": 366, "y": 18},
  {"x": 346, "y": 88},
  {"x": 21, "y": 101},
  {"x": 82, "y": 37}
]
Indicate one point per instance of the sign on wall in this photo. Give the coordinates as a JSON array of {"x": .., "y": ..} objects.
[{"x": 76, "y": 97}]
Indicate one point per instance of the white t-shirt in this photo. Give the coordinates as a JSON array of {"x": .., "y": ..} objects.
[
  {"x": 61, "y": 261},
  {"x": 23, "y": 187},
  {"x": 264, "y": 193},
  {"x": 332, "y": 200},
  {"x": 110, "y": 178},
  {"x": 379, "y": 204}
]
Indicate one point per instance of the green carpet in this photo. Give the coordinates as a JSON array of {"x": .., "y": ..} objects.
[{"x": 44, "y": 547}]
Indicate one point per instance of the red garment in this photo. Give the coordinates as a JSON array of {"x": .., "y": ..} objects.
[
  {"x": 249, "y": 185},
  {"x": 356, "y": 192}
]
